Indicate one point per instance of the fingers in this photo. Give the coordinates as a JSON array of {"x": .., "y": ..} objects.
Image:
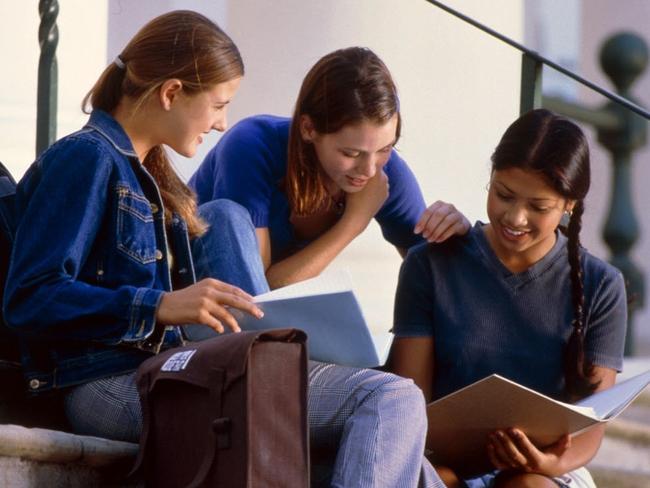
[
  {"x": 506, "y": 451},
  {"x": 440, "y": 221},
  {"x": 230, "y": 300},
  {"x": 379, "y": 183},
  {"x": 494, "y": 459},
  {"x": 532, "y": 455},
  {"x": 208, "y": 302},
  {"x": 512, "y": 449},
  {"x": 229, "y": 295},
  {"x": 225, "y": 287}
]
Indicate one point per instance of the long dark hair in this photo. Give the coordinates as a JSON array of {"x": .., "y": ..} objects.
[
  {"x": 181, "y": 44},
  {"x": 542, "y": 142},
  {"x": 344, "y": 87}
]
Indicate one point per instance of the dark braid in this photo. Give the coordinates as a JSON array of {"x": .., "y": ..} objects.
[
  {"x": 557, "y": 149},
  {"x": 575, "y": 370}
]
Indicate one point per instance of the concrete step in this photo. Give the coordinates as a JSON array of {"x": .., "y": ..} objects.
[
  {"x": 619, "y": 478},
  {"x": 34, "y": 457},
  {"x": 623, "y": 460}
]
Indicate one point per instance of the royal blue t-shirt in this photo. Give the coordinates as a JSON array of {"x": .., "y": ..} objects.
[{"x": 248, "y": 166}]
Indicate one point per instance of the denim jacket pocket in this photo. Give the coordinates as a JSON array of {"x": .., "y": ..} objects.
[{"x": 136, "y": 235}]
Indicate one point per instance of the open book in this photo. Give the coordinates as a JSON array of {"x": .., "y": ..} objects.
[
  {"x": 460, "y": 422},
  {"x": 327, "y": 309}
]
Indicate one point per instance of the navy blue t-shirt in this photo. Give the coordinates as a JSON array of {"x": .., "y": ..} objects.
[
  {"x": 486, "y": 319},
  {"x": 249, "y": 163}
]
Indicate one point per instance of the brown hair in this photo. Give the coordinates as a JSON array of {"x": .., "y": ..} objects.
[
  {"x": 344, "y": 87},
  {"x": 181, "y": 44},
  {"x": 557, "y": 149}
]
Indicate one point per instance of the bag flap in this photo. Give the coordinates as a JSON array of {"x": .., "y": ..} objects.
[{"x": 228, "y": 353}]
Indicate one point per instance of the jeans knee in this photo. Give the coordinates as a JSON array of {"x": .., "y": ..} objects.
[
  {"x": 406, "y": 398},
  {"x": 223, "y": 212}
]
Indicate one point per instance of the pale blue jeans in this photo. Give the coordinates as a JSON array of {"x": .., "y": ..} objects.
[{"x": 370, "y": 425}]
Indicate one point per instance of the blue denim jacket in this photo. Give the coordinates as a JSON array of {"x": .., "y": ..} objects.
[{"x": 89, "y": 265}]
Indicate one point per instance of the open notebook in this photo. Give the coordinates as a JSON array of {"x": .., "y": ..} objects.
[
  {"x": 460, "y": 422},
  {"x": 327, "y": 309}
]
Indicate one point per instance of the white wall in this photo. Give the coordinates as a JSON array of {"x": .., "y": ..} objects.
[
  {"x": 458, "y": 87},
  {"x": 80, "y": 55},
  {"x": 554, "y": 29}
]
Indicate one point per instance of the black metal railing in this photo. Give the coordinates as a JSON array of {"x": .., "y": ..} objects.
[
  {"x": 46, "y": 104},
  {"x": 537, "y": 58}
]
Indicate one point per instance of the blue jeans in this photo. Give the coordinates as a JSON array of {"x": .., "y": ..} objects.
[
  {"x": 228, "y": 250},
  {"x": 373, "y": 424}
]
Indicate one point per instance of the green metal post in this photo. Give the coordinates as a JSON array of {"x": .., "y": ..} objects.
[
  {"x": 531, "y": 84},
  {"x": 48, "y": 39},
  {"x": 623, "y": 58}
]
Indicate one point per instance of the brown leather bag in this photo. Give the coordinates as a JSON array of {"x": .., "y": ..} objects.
[{"x": 230, "y": 411}]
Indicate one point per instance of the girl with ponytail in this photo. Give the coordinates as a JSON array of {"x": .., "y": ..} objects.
[
  {"x": 110, "y": 241},
  {"x": 519, "y": 297}
]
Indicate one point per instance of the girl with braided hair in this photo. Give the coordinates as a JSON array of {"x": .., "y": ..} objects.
[{"x": 519, "y": 297}]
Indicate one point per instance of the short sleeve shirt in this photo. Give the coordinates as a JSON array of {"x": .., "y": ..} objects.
[
  {"x": 249, "y": 163},
  {"x": 486, "y": 319}
]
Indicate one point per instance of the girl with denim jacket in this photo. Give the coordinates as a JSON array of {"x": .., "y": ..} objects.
[{"x": 110, "y": 245}]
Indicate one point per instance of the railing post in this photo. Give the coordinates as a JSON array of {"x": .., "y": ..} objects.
[
  {"x": 531, "y": 84},
  {"x": 46, "y": 103},
  {"x": 623, "y": 58}
]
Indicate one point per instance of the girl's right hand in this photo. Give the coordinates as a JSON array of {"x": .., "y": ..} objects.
[
  {"x": 206, "y": 303},
  {"x": 511, "y": 449},
  {"x": 362, "y": 206}
]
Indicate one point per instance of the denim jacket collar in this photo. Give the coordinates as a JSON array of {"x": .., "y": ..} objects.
[{"x": 106, "y": 125}]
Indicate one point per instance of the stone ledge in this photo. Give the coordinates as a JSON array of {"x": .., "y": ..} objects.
[
  {"x": 24, "y": 473},
  {"x": 619, "y": 478},
  {"x": 61, "y": 447},
  {"x": 630, "y": 431}
]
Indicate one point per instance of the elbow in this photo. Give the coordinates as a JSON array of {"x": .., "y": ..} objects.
[{"x": 20, "y": 313}]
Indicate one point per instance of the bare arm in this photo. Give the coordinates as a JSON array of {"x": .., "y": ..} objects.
[
  {"x": 310, "y": 261},
  {"x": 413, "y": 357}
]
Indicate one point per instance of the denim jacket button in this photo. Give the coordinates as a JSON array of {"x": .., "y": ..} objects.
[
  {"x": 34, "y": 384},
  {"x": 154, "y": 208},
  {"x": 159, "y": 254}
]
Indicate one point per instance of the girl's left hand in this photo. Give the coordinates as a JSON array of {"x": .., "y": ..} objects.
[
  {"x": 512, "y": 450},
  {"x": 440, "y": 221}
]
